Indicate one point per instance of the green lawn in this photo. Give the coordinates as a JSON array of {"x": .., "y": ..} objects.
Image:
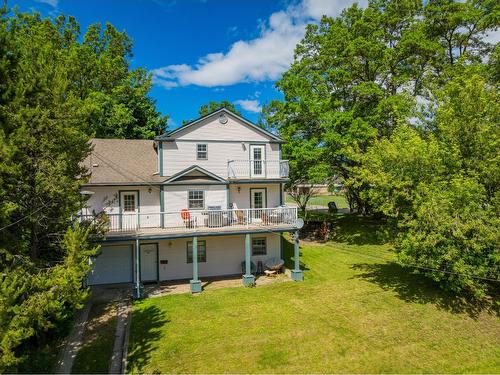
[
  {"x": 356, "y": 311},
  {"x": 322, "y": 200}
]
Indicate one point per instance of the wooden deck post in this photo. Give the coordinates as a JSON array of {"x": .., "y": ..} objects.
[
  {"x": 297, "y": 274},
  {"x": 195, "y": 282},
  {"x": 248, "y": 278}
]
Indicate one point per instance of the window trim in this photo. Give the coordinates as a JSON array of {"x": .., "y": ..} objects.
[
  {"x": 203, "y": 199},
  {"x": 265, "y": 245},
  {"x": 198, "y": 151},
  {"x": 204, "y": 242}
]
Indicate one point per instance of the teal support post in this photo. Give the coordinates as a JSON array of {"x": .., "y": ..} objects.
[
  {"x": 248, "y": 278},
  {"x": 228, "y": 203},
  {"x": 297, "y": 274},
  {"x": 162, "y": 207},
  {"x": 138, "y": 288},
  {"x": 196, "y": 282}
]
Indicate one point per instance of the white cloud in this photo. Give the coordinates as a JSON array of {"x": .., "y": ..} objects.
[
  {"x": 263, "y": 58},
  {"x": 249, "y": 105},
  {"x": 52, "y": 3}
]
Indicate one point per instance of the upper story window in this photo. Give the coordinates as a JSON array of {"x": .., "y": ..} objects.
[
  {"x": 202, "y": 151},
  {"x": 196, "y": 199}
]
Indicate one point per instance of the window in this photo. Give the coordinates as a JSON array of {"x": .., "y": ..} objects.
[
  {"x": 202, "y": 252},
  {"x": 202, "y": 152},
  {"x": 259, "y": 246},
  {"x": 128, "y": 202},
  {"x": 196, "y": 199}
]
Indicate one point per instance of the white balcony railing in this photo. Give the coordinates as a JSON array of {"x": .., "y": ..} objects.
[
  {"x": 200, "y": 219},
  {"x": 257, "y": 169}
]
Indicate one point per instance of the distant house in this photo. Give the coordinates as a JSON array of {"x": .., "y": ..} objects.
[{"x": 199, "y": 201}]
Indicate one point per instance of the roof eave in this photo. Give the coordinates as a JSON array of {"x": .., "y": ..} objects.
[{"x": 168, "y": 135}]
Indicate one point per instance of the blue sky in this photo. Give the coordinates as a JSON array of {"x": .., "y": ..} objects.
[{"x": 203, "y": 50}]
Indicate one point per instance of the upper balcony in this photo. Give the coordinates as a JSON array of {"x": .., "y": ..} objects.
[
  {"x": 257, "y": 169},
  {"x": 198, "y": 222}
]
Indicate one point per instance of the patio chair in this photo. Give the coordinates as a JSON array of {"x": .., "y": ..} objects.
[
  {"x": 240, "y": 217},
  {"x": 186, "y": 216},
  {"x": 252, "y": 267}
]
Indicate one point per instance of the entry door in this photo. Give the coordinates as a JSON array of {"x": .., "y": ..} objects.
[
  {"x": 129, "y": 204},
  {"x": 257, "y": 201},
  {"x": 257, "y": 162},
  {"x": 149, "y": 262}
]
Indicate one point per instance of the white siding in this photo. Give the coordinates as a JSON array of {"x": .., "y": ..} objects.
[
  {"x": 176, "y": 197},
  {"x": 106, "y": 198},
  {"x": 212, "y": 129},
  {"x": 224, "y": 256},
  {"x": 180, "y": 155},
  {"x": 242, "y": 199}
]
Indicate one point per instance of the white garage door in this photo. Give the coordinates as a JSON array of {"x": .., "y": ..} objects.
[{"x": 112, "y": 265}]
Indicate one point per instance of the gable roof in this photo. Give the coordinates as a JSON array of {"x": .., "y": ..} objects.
[
  {"x": 195, "y": 174},
  {"x": 169, "y": 135},
  {"x": 123, "y": 161}
]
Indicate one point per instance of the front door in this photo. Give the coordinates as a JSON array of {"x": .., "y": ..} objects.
[
  {"x": 149, "y": 262},
  {"x": 257, "y": 202},
  {"x": 257, "y": 161},
  {"x": 129, "y": 207}
]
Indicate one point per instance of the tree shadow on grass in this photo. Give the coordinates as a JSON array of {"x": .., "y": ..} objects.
[
  {"x": 417, "y": 288},
  {"x": 362, "y": 230},
  {"x": 146, "y": 333}
]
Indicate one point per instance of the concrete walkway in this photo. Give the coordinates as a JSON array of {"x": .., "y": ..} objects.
[
  {"x": 182, "y": 286},
  {"x": 73, "y": 342},
  {"x": 118, "y": 359},
  {"x": 107, "y": 294}
]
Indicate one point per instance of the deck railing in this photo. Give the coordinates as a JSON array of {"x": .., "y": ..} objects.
[
  {"x": 199, "y": 219},
  {"x": 253, "y": 168}
]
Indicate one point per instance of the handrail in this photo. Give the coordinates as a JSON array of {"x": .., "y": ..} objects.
[
  {"x": 223, "y": 218},
  {"x": 256, "y": 168}
]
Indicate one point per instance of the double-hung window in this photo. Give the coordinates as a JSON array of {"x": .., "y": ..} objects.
[
  {"x": 202, "y": 151},
  {"x": 259, "y": 246},
  {"x": 196, "y": 199},
  {"x": 202, "y": 251}
]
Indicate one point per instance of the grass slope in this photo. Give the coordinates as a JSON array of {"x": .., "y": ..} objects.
[{"x": 356, "y": 311}]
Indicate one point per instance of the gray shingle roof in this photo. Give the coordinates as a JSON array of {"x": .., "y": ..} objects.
[{"x": 123, "y": 161}]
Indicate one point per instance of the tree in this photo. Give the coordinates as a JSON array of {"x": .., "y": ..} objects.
[
  {"x": 301, "y": 194},
  {"x": 114, "y": 101},
  {"x": 210, "y": 107},
  {"x": 35, "y": 299},
  {"x": 357, "y": 77},
  {"x": 344, "y": 88},
  {"x": 56, "y": 92},
  {"x": 443, "y": 185}
]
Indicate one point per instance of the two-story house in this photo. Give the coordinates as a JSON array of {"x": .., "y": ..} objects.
[{"x": 203, "y": 200}]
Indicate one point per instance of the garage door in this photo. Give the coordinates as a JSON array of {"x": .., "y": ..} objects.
[{"x": 112, "y": 265}]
